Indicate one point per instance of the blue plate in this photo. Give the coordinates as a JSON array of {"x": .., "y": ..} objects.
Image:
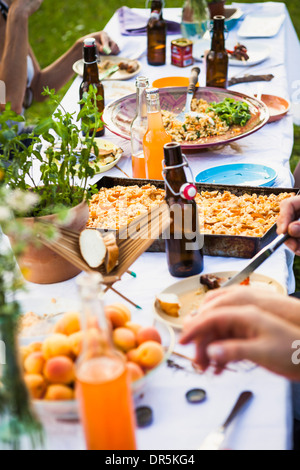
[{"x": 241, "y": 174}]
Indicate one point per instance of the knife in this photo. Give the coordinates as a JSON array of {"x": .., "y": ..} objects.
[
  {"x": 260, "y": 258},
  {"x": 190, "y": 93},
  {"x": 215, "y": 439}
]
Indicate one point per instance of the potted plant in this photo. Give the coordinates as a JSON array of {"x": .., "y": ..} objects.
[
  {"x": 195, "y": 16},
  {"x": 18, "y": 424},
  {"x": 55, "y": 166},
  {"x": 216, "y": 7}
]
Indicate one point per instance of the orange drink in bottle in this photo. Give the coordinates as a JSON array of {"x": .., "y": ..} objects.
[
  {"x": 102, "y": 386},
  {"x": 106, "y": 409},
  {"x": 138, "y": 166},
  {"x": 138, "y": 129},
  {"x": 155, "y": 138}
]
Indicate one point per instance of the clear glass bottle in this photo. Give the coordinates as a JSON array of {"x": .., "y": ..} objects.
[
  {"x": 155, "y": 138},
  {"x": 138, "y": 129},
  {"x": 102, "y": 385},
  {"x": 184, "y": 243},
  {"x": 217, "y": 58}
]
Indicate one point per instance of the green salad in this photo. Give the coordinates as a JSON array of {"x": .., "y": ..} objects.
[{"x": 231, "y": 111}]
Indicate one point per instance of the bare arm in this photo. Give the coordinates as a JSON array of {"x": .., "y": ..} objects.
[
  {"x": 13, "y": 66},
  {"x": 60, "y": 72}
]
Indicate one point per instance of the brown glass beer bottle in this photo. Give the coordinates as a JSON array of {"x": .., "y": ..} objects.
[
  {"x": 91, "y": 76},
  {"x": 217, "y": 58},
  {"x": 156, "y": 35},
  {"x": 183, "y": 242}
]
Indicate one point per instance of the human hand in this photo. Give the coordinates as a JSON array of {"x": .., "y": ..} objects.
[
  {"x": 102, "y": 41},
  {"x": 228, "y": 334},
  {"x": 288, "y": 222},
  {"x": 285, "y": 307},
  {"x": 27, "y": 6}
]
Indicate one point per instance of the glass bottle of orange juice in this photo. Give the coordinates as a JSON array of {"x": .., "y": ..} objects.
[
  {"x": 155, "y": 138},
  {"x": 102, "y": 386},
  {"x": 138, "y": 129}
]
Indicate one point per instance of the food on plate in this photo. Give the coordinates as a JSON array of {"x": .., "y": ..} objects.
[
  {"x": 221, "y": 213},
  {"x": 207, "y": 119},
  {"x": 169, "y": 303},
  {"x": 49, "y": 367},
  {"x": 240, "y": 52},
  {"x": 106, "y": 152},
  {"x": 98, "y": 250},
  {"x": 118, "y": 206},
  {"x": 211, "y": 281},
  {"x": 191, "y": 295},
  {"x": 214, "y": 282},
  {"x": 130, "y": 66}
]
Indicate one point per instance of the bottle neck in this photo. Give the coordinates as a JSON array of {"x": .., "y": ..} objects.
[
  {"x": 154, "y": 112},
  {"x": 141, "y": 102},
  {"x": 90, "y": 72},
  {"x": 97, "y": 340},
  {"x": 175, "y": 176},
  {"x": 218, "y": 38},
  {"x": 156, "y": 8}
]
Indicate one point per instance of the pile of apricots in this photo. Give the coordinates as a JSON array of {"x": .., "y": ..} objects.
[{"x": 49, "y": 367}]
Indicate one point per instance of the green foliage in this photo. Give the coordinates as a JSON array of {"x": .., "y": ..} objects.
[
  {"x": 62, "y": 153},
  {"x": 231, "y": 111}
]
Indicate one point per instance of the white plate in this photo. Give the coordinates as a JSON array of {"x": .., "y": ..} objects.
[
  {"x": 257, "y": 54},
  {"x": 119, "y": 75},
  {"x": 192, "y": 284},
  {"x": 261, "y": 26}
]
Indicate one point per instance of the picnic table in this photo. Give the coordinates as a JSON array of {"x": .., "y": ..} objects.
[{"x": 267, "y": 422}]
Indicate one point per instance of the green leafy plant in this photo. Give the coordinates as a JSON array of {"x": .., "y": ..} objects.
[
  {"x": 17, "y": 419},
  {"x": 231, "y": 111},
  {"x": 60, "y": 146}
]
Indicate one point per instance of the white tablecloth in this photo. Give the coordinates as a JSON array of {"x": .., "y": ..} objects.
[{"x": 266, "y": 423}]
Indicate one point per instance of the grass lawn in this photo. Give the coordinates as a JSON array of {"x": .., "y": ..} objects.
[{"x": 57, "y": 24}]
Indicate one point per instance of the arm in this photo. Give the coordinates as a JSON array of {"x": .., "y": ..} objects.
[
  {"x": 60, "y": 72},
  {"x": 13, "y": 66},
  {"x": 267, "y": 300}
]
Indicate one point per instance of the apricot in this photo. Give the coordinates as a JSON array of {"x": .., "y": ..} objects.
[
  {"x": 60, "y": 370},
  {"x": 132, "y": 355},
  {"x": 24, "y": 352},
  {"x": 75, "y": 342},
  {"x": 124, "y": 339},
  {"x": 68, "y": 324},
  {"x": 135, "y": 327},
  {"x": 118, "y": 314},
  {"x": 35, "y": 347},
  {"x": 148, "y": 333},
  {"x": 59, "y": 392},
  {"x": 134, "y": 371},
  {"x": 56, "y": 345},
  {"x": 34, "y": 363},
  {"x": 149, "y": 354},
  {"x": 36, "y": 385}
]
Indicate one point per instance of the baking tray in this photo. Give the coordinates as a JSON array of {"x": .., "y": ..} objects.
[{"x": 214, "y": 245}]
